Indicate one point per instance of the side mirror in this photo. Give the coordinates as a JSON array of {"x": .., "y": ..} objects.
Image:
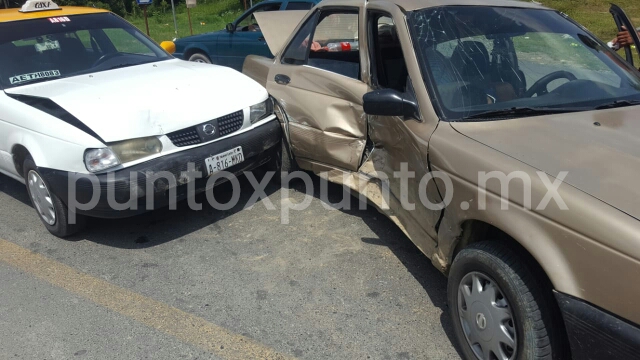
[
  {"x": 168, "y": 46},
  {"x": 231, "y": 27},
  {"x": 389, "y": 102}
]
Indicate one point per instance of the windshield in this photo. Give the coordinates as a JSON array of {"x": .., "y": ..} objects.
[
  {"x": 478, "y": 60},
  {"x": 50, "y": 48}
]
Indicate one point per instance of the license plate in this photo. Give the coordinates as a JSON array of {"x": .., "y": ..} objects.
[{"x": 224, "y": 160}]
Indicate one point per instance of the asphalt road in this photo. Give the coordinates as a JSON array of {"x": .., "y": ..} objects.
[{"x": 230, "y": 284}]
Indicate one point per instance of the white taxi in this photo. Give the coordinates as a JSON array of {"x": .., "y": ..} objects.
[{"x": 87, "y": 101}]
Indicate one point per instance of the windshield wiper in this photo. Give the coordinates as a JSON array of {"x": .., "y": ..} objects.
[
  {"x": 119, "y": 66},
  {"x": 618, "y": 104},
  {"x": 517, "y": 111}
]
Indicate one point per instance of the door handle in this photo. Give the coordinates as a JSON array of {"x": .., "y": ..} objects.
[
  {"x": 261, "y": 38},
  {"x": 282, "y": 79}
]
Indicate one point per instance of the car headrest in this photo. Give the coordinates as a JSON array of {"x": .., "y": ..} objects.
[{"x": 471, "y": 59}]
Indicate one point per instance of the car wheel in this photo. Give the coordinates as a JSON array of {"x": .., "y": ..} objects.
[
  {"x": 498, "y": 308},
  {"x": 200, "y": 58},
  {"x": 53, "y": 213}
]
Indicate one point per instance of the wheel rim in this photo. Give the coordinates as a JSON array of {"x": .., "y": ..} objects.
[
  {"x": 200, "y": 61},
  {"x": 486, "y": 318},
  {"x": 41, "y": 198}
]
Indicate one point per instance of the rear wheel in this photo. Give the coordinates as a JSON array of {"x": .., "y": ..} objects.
[
  {"x": 499, "y": 310},
  {"x": 200, "y": 58},
  {"x": 53, "y": 213}
]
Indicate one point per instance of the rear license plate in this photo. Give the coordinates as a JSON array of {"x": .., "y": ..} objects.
[{"x": 224, "y": 160}]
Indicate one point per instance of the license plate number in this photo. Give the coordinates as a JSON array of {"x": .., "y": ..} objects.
[{"x": 224, "y": 160}]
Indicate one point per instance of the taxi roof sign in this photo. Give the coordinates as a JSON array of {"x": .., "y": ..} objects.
[{"x": 39, "y": 5}]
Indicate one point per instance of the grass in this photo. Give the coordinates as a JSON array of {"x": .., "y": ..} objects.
[
  {"x": 213, "y": 15},
  {"x": 207, "y": 16}
]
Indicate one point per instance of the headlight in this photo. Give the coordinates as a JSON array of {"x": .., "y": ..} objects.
[
  {"x": 132, "y": 150},
  {"x": 99, "y": 159},
  {"x": 121, "y": 152},
  {"x": 261, "y": 110}
]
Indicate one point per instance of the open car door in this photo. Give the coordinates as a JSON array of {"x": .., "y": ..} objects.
[
  {"x": 315, "y": 80},
  {"x": 622, "y": 20}
]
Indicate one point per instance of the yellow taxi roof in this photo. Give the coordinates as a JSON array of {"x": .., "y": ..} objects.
[{"x": 7, "y": 15}]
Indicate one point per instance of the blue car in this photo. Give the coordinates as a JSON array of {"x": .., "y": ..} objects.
[{"x": 242, "y": 37}]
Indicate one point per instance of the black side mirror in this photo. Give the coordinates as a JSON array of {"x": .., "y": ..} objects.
[
  {"x": 231, "y": 27},
  {"x": 389, "y": 102}
]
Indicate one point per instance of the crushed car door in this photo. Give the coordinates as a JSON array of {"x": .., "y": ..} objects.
[
  {"x": 400, "y": 143},
  {"x": 622, "y": 20},
  {"x": 317, "y": 83}
]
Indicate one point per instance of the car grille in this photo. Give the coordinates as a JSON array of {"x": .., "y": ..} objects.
[
  {"x": 230, "y": 123},
  {"x": 185, "y": 137},
  {"x": 224, "y": 125}
]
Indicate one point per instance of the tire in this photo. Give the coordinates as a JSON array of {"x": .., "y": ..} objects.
[
  {"x": 534, "y": 333},
  {"x": 58, "y": 223},
  {"x": 200, "y": 57}
]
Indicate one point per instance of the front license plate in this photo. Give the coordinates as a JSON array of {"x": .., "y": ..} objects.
[{"x": 224, "y": 160}]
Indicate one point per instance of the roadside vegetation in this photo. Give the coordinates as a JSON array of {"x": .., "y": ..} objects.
[{"x": 207, "y": 16}]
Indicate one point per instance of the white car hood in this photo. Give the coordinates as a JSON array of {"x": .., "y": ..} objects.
[{"x": 150, "y": 100}]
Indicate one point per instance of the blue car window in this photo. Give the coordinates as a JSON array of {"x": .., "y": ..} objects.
[
  {"x": 299, "y": 5},
  {"x": 249, "y": 23}
]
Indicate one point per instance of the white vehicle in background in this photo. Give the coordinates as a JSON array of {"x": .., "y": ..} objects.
[{"x": 84, "y": 94}]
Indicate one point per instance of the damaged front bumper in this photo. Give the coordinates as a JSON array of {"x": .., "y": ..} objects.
[{"x": 142, "y": 181}]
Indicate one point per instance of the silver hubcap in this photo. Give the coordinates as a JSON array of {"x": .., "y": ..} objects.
[
  {"x": 486, "y": 318},
  {"x": 41, "y": 198},
  {"x": 200, "y": 61}
]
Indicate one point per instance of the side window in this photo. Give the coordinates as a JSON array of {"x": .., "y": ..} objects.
[
  {"x": 296, "y": 53},
  {"x": 335, "y": 45},
  {"x": 85, "y": 38},
  {"x": 249, "y": 23},
  {"x": 125, "y": 42},
  {"x": 298, "y": 5},
  {"x": 332, "y": 45},
  {"x": 390, "y": 66}
]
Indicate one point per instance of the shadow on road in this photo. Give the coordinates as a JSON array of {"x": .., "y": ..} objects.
[
  {"x": 164, "y": 225},
  {"x": 389, "y": 235}
]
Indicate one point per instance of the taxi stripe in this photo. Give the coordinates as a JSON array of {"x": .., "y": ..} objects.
[{"x": 177, "y": 323}]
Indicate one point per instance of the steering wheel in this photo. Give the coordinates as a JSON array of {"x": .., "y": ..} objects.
[
  {"x": 540, "y": 87},
  {"x": 105, "y": 57}
]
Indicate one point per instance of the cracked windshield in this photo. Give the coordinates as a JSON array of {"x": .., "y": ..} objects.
[{"x": 503, "y": 62}]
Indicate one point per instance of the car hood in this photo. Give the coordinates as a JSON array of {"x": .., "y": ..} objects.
[
  {"x": 151, "y": 99},
  {"x": 603, "y": 161}
]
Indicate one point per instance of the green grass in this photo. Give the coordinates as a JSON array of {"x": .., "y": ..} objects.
[{"x": 209, "y": 15}]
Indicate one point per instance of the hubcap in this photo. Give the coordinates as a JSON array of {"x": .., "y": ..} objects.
[
  {"x": 486, "y": 318},
  {"x": 200, "y": 61},
  {"x": 41, "y": 198}
]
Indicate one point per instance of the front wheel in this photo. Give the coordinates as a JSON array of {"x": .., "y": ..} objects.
[
  {"x": 200, "y": 58},
  {"x": 499, "y": 310},
  {"x": 53, "y": 213}
]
